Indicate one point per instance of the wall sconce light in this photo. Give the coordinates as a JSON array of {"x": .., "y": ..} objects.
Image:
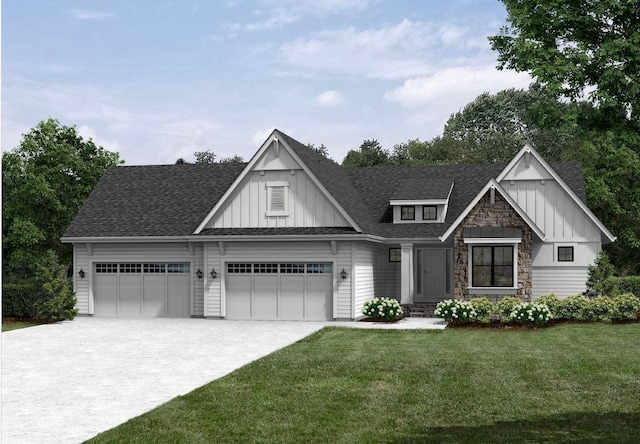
[
  {"x": 82, "y": 273},
  {"x": 199, "y": 273},
  {"x": 343, "y": 274},
  {"x": 213, "y": 273}
]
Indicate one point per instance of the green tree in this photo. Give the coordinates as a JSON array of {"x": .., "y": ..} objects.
[
  {"x": 233, "y": 159},
  {"x": 573, "y": 45},
  {"x": 370, "y": 153},
  {"x": 45, "y": 181},
  {"x": 319, "y": 149},
  {"x": 204, "y": 157}
]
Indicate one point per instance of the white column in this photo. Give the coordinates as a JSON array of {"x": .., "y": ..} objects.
[{"x": 406, "y": 274}]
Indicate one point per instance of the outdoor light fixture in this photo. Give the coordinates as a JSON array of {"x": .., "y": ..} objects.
[
  {"x": 81, "y": 273},
  {"x": 199, "y": 274},
  {"x": 343, "y": 274},
  {"x": 213, "y": 273}
]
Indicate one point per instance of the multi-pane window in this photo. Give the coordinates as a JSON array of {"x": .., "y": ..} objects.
[
  {"x": 292, "y": 268},
  {"x": 429, "y": 212},
  {"x": 394, "y": 255},
  {"x": 154, "y": 268},
  {"x": 565, "y": 254},
  {"x": 106, "y": 268},
  {"x": 178, "y": 268},
  {"x": 492, "y": 266},
  {"x": 239, "y": 268},
  {"x": 407, "y": 212},
  {"x": 265, "y": 268},
  {"x": 130, "y": 268},
  {"x": 319, "y": 268}
]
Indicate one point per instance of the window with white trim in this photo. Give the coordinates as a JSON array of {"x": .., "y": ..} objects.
[
  {"x": 492, "y": 266},
  {"x": 277, "y": 198}
]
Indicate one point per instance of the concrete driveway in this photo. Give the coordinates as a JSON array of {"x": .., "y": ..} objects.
[{"x": 68, "y": 382}]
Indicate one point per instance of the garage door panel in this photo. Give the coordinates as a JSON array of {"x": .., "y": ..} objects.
[
  {"x": 130, "y": 295},
  {"x": 106, "y": 295},
  {"x": 265, "y": 297},
  {"x": 319, "y": 297},
  {"x": 292, "y": 297},
  {"x": 154, "y": 297},
  {"x": 239, "y": 299},
  {"x": 179, "y": 297}
]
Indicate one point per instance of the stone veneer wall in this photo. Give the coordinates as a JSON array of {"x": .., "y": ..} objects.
[{"x": 500, "y": 214}]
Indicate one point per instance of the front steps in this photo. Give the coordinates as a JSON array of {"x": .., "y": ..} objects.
[{"x": 420, "y": 309}]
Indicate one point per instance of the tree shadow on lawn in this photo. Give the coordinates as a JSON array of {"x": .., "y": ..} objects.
[{"x": 568, "y": 428}]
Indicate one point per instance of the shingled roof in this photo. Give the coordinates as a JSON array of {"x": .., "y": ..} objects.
[{"x": 172, "y": 200}]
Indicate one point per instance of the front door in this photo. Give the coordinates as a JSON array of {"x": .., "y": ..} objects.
[{"x": 434, "y": 274}]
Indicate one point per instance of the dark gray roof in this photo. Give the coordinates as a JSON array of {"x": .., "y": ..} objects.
[
  {"x": 172, "y": 200},
  {"x": 422, "y": 188}
]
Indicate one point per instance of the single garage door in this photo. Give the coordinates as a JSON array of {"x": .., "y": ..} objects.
[
  {"x": 285, "y": 291},
  {"x": 150, "y": 290}
]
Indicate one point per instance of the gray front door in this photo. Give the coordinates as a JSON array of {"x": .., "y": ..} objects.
[{"x": 434, "y": 274}]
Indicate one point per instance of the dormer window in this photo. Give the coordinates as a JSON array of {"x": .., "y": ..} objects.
[
  {"x": 277, "y": 199},
  {"x": 429, "y": 212},
  {"x": 407, "y": 213}
]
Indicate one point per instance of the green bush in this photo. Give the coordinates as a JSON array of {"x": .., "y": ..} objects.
[
  {"x": 483, "y": 308},
  {"x": 599, "y": 272},
  {"x": 551, "y": 301},
  {"x": 19, "y": 300},
  {"x": 382, "y": 309},
  {"x": 619, "y": 285},
  {"x": 573, "y": 307},
  {"x": 599, "y": 309},
  {"x": 59, "y": 299},
  {"x": 506, "y": 305},
  {"x": 453, "y": 310},
  {"x": 626, "y": 306},
  {"x": 530, "y": 313}
]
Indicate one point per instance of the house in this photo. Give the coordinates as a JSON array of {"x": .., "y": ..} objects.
[{"x": 293, "y": 235}]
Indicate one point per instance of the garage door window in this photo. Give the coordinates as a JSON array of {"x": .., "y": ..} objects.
[
  {"x": 282, "y": 268},
  {"x": 154, "y": 268},
  {"x": 178, "y": 268},
  {"x": 292, "y": 268},
  {"x": 319, "y": 268},
  {"x": 265, "y": 268},
  {"x": 239, "y": 268},
  {"x": 106, "y": 268},
  {"x": 130, "y": 268}
]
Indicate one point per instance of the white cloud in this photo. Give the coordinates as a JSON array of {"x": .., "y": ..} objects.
[
  {"x": 90, "y": 15},
  {"x": 278, "y": 17},
  {"x": 323, "y": 7},
  {"x": 260, "y": 136},
  {"x": 454, "y": 86},
  {"x": 330, "y": 99}
]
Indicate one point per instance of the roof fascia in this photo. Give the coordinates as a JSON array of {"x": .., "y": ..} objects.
[
  {"x": 225, "y": 237},
  {"x": 319, "y": 184},
  {"x": 528, "y": 149},
  {"x": 495, "y": 185},
  {"x": 418, "y": 202}
]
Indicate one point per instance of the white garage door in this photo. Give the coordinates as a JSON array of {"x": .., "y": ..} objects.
[
  {"x": 285, "y": 291},
  {"x": 133, "y": 290}
]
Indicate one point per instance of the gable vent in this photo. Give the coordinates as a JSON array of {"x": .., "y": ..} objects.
[{"x": 277, "y": 199}]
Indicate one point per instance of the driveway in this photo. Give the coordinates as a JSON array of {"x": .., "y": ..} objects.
[{"x": 69, "y": 381}]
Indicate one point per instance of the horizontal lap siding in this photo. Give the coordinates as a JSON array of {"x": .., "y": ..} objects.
[
  {"x": 279, "y": 252},
  {"x": 562, "y": 282},
  {"x": 365, "y": 262},
  {"x": 81, "y": 286}
]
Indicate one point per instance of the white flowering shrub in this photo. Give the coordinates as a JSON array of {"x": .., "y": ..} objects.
[
  {"x": 453, "y": 310},
  {"x": 531, "y": 313},
  {"x": 382, "y": 309}
]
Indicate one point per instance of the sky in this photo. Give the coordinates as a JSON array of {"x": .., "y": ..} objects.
[{"x": 159, "y": 80}]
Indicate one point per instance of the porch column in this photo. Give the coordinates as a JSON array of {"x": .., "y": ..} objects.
[{"x": 406, "y": 274}]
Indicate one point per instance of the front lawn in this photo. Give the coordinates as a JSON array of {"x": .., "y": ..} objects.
[
  {"x": 568, "y": 383},
  {"x": 10, "y": 324}
]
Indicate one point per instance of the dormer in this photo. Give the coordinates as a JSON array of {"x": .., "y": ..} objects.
[{"x": 422, "y": 201}]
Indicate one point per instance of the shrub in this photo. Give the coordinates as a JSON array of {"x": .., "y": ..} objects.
[
  {"x": 506, "y": 305},
  {"x": 599, "y": 309},
  {"x": 382, "y": 309},
  {"x": 599, "y": 272},
  {"x": 483, "y": 307},
  {"x": 551, "y": 301},
  {"x": 530, "y": 313},
  {"x": 59, "y": 299},
  {"x": 19, "y": 300},
  {"x": 626, "y": 306},
  {"x": 573, "y": 307},
  {"x": 453, "y": 310},
  {"x": 620, "y": 285}
]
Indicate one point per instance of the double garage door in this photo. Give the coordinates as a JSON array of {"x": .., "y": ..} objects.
[
  {"x": 130, "y": 290},
  {"x": 286, "y": 291}
]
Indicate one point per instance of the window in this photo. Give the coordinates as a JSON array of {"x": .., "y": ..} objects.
[
  {"x": 130, "y": 268},
  {"x": 238, "y": 268},
  {"x": 265, "y": 268},
  {"x": 277, "y": 198},
  {"x": 394, "y": 255},
  {"x": 292, "y": 268},
  {"x": 178, "y": 268},
  {"x": 106, "y": 268},
  {"x": 318, "y": 268},
  {"x": 565, "y": 254},
  {"x": 407, "y": 213},
  {"x": 492, "y": 266},
  {"x": 429, "y": 212}
]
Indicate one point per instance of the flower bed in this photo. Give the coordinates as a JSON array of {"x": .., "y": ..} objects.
[{"x": 382, "y": 310}]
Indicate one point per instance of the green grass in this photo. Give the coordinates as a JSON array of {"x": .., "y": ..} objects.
[
  {"x": 8, "y": 325},
  {"x": 568, "y": 383}
]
